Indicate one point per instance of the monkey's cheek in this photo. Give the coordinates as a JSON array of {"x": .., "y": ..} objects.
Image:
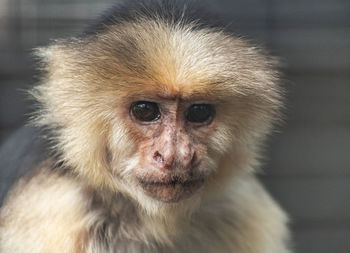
[{"x": 171, "y": 193}]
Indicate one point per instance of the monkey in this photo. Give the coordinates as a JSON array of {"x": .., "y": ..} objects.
[{"x": 147, "y": 138}]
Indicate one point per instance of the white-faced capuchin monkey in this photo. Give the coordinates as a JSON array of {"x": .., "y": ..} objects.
[{"x": 146, "y": 140}]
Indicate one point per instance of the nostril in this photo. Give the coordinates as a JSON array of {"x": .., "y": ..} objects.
[
  {"x": 158, "y": 157},
  {"x": 193, "y": 160}
]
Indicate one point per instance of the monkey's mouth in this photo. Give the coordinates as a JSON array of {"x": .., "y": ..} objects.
[{"x": 171, "y": 191}]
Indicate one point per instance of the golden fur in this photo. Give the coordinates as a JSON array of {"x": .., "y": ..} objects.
[{"x": 85, "y": 84}]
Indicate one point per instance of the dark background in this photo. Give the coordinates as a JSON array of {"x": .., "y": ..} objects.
[{"x": 307, "y": 169}]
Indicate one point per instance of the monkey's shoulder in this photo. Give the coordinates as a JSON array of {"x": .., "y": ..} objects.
[
  {"x": 20, "y": 154},
  {"x": 42, "y": 210}
]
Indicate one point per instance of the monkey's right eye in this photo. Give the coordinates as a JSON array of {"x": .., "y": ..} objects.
[{"x": 145, "y": 111}]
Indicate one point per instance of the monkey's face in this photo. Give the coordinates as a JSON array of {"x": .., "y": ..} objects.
[
  {"x": 171, "y": 136},
  {"x": 158, "y": 110}
]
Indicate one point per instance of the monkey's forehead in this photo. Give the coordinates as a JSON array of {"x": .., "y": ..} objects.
[{"x": 154, "y": 55}]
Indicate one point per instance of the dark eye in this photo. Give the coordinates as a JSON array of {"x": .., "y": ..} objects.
[
  {"x": 199, "y": 113},
  {"x": 145, "y": 111}
]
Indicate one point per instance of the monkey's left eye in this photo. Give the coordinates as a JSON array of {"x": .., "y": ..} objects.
[
  {"x": 145, "y": 111},
  {"x": 200, "y": 113}
]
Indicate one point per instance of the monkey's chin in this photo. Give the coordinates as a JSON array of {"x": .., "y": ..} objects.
[{"x": 172, "y": 191}]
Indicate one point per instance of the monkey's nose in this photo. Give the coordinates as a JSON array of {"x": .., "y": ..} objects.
[
  {"x": 182, "y": 162},
  {"x": 163, "y": 163}
]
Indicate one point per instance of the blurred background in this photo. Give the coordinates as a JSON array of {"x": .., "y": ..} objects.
[{"x": 307, "y": 168}]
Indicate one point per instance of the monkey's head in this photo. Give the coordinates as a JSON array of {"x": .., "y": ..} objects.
[{"x": 163, "y": 112}]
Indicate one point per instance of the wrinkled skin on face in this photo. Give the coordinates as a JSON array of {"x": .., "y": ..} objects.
[{"x": 171, "y": 136}]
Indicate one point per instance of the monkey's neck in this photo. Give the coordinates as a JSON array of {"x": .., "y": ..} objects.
[{"x": 117, "y": 216}]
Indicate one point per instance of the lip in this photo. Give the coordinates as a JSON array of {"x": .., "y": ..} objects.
[{"x": 170, "y": 191}]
